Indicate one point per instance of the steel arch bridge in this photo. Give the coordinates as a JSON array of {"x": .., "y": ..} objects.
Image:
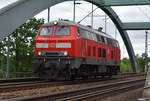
[{"x": 15, "y": 14}]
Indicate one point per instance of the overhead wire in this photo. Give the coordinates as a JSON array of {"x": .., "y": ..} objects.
[{"x": 86, "y": 10}]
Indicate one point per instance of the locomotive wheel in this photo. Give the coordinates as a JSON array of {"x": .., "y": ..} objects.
[
  {"x": 53, "y": 73},
  {"x": 49, "y": 70},
  {"x": 66, "y": 73},
  {"x": 37, "y": 66},
  {"x": 85, "y": 77},
  {"x": 49, "y": 74}
]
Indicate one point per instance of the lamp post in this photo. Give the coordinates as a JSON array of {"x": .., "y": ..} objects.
[
  {"x": 92, "y": 17},
  {"x": 115, "y": 32},
  {"x": 105, "y": 22},
  {"x": 74, "y": 9},
  {"x": 48, "y": 14},
  {"x": 8, "y": 58},
  {"x": 146, "y": 50}
]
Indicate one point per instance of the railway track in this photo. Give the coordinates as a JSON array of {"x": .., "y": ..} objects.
[
  {"x": 107, "y": 90},
  {"x": 4, "y": 83},
  {"x": 86, "y": 93},
  {"x": 33, "y": 83},
  {"x": 9, "y": 91},
  {"x": 15, "y": 80}
]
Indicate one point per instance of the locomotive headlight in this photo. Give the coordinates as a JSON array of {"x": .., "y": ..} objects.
[
  {"x": 39, "y": 53},
  {"x": 55, "y": 22},
  {"x": 65, "y": 53}
]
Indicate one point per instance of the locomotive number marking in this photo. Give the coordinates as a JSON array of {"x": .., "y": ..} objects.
[{"x": 52, "y": 45}]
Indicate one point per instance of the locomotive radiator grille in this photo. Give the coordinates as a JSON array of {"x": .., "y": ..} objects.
[{"x": 54, "y": 53}]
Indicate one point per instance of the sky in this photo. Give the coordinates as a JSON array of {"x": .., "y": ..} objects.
[{"x": 126, "y": 14}]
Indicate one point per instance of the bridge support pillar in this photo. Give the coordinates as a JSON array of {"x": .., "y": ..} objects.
[{"x": 146, "y": 91}]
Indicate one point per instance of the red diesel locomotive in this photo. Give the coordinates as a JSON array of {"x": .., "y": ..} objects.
[{"x": 66, "y": 50}]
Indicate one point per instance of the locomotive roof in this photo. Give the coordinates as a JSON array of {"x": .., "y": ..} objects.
[{"x": 64, "y": 22}]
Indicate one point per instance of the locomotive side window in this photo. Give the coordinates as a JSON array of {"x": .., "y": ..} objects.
[
  {"x": 113, "y": 43},
  {"x": 84, "y": 33},
  {"x": 94, "y": 51},
  {"x": 112, "y": 55},
  {"x": 103, "y": 40},
  {"x": 62, "y": 31},
  {"x": 99, "y": 52},
  {"x": 104, "y": 52},
  {"x": 89, "y": 50},
  {"x": 99, "y": 38},
  {"x": 78, "y": 32},
  {"x": 46, "y": 31},
  {"x": 90, "y": 36},
  {"x": 94, "y": 37},
  {"x": 117, "y": 44},
  {"x": 109, "y": 41}
]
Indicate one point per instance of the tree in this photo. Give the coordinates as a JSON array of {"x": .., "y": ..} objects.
[
  {"x": 141, "y": 62},
  {"x": 22, "y": 45},
  {"x": 125, "y": 65}
]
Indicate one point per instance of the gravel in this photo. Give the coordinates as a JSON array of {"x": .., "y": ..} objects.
[{"x": 37, "y": 91}]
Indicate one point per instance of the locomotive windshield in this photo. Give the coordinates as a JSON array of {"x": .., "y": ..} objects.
[
  {"x": 62, "y": 31},
  {"x": 46, "y": 31}
]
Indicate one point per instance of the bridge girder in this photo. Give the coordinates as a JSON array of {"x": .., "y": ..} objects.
[
  {"x": 121, "y": 2},
  {"x": 136, "y": 26},
  {"x": 12, "y": 16}
]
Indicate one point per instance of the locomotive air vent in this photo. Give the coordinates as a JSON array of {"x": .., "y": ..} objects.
[{"x": 52, "y": 54}]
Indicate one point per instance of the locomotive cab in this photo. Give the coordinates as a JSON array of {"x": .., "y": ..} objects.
[
  {"x": 50, "y": 40},
  {"x": 55, "y": 46}
]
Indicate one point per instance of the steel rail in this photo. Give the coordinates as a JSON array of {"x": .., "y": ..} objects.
[
  {"x": 8, "y": 87},
  {"x": 110, "y": 91},
  {"x": 13, "y": 80},
  {"x": 18, "y": 83},
  {"x": 81, "y": 91}
]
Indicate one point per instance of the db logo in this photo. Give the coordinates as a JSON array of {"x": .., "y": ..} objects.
[{"x": 52, "y": 45}]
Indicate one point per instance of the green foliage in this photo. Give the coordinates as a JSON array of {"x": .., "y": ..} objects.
[
  {"x": 141, "y": 62},
  {"x": 21, "y": 47},
  {"x": 126, "y": 64}
]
